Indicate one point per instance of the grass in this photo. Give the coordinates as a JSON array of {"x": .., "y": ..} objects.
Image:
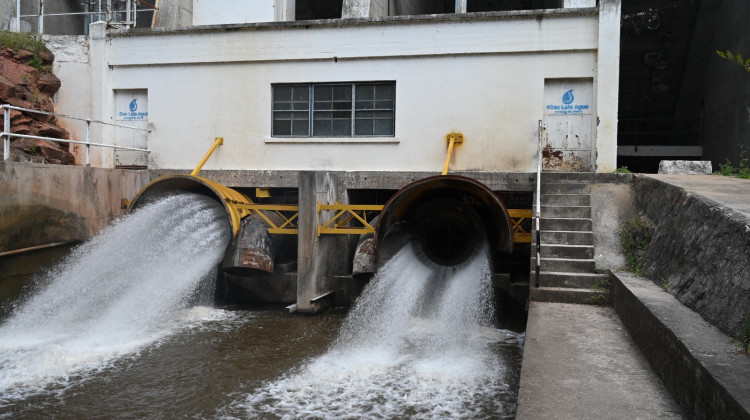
[
  {"x": 622, "y": 170},
  {"x": 26, "y": 42},
  {"x": 600, "y": 286},
  {"x": 635, "y": 237},
  {"x": 741, "y": 170}
]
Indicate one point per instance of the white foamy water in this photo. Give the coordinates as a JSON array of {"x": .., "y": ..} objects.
[
  {"x": 126, "y": 288},
  {"x": 419, "y": 343}
]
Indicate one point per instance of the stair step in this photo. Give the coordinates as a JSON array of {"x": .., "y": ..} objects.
[
  {"x": 565, "y": 188},
  {"x": 553, "y": 211},
  {"x": 571, "y": 280},
  {"x": 562, "y": 177},
  {"x": 568, "y": 295},
  {"x": 567, "y": 237},
  {"x": 566, "y": 223},
  {"x": 567, "y": 251},
  {"x": 568, "y": 265},
  {"x": 566, "y": 199}
]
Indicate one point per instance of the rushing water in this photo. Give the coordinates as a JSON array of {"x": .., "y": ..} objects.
[
  {"x": 124, "y": 328},
  {"x": 419, "y": 343},
  {"x": 121, "y": 291}
]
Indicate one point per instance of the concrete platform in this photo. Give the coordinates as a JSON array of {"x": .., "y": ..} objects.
[
  {"x": 729, "y": 192},
  {"x": 580, "y": 363}
]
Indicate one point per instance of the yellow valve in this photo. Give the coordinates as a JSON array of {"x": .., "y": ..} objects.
[
  {"x": 453, "y": 139},
  {"x": 218, "y": 142}
]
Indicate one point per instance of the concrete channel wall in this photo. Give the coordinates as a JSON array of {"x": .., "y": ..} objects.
[
  {"x": 42, "y": 204},
  {"x": 699, "y": 249}
]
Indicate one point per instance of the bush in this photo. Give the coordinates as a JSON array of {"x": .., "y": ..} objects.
[
  {"x": 741, "y": 170},
  {"x": 635, "y": 237}
]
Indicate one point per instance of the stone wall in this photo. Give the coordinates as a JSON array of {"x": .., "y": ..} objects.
[
  {"x": 41, "y": 204},
  {"x": 700, "y": 249}
]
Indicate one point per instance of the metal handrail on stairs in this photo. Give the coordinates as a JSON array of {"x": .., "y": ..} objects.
[{"x": 537, "y": 212}]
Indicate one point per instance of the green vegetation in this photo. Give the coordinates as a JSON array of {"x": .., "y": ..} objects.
[
  {"x": 664, "y": 284},
  {"x": 735, "y": 59},
  {"x": 622, "y": 170},
  {"x": 29, "y": 43},
  {"x": 600, "y": 287},
  {"x": 743, "y": 335},
  {"x": 635, "y": 237},
  {"x": 741, "y": 170}
]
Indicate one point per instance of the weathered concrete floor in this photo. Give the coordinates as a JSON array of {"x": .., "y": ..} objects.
[
  {"x": 727, "y": 191},
  {"x": 580, "y": 363}
]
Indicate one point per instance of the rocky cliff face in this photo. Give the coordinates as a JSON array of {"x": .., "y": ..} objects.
[{"x": 26, "y": 81}]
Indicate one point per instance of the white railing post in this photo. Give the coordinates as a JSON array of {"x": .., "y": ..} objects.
[
  {"x": 88, "y": 143},
  {"x": 40, "y": 24},
  {"x": 18, "y": 16},
  {"x": 6, "y": 133}
]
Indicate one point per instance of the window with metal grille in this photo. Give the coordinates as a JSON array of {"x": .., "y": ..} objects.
[{"x": 334, "y": 109}]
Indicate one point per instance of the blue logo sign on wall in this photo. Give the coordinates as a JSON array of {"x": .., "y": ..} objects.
[
  {"x": 567, "y": 97},
  {"x": 134, "y": 105}
]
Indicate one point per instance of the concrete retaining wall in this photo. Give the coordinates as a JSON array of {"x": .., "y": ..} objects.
[
  {"x": 41, "y": 204},
  {"x": 701, "y": 367},
  {"x": 700, "y": 248}
]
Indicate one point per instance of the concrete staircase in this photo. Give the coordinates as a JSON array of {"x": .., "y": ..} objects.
[{"x": 567, "y": 272}]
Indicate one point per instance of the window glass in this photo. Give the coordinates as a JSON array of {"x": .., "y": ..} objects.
[
  {"x": 335, "y": 109},
  {"x": 291, "y": 104}
]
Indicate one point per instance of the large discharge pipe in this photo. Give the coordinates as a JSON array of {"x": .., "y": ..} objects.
[{"x": 448, "y": 217}]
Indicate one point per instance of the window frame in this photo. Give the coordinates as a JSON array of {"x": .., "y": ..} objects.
[{"x": 353, "y": 111}]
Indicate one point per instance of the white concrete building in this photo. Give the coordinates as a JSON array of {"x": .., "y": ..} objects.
[{"x": 491, "y": 76}]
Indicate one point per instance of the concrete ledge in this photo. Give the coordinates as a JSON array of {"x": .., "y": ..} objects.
[{"x": 698, "y": 363}]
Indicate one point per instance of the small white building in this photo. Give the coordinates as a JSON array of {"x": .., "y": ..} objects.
[{"x": 375, "y": 90}]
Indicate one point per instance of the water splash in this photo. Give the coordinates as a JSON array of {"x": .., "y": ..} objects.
[
  {"x": 124, "y": 289},
  {"x": 419, "y": 343}
]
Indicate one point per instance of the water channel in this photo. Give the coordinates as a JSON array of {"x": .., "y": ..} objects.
[{"x": 125, "y": 327}]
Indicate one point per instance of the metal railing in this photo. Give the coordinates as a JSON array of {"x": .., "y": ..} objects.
[
  {"x": 537, "y": 211},
  {"x": 73, "y": 19},
  {"x": 7, "y": 133}
]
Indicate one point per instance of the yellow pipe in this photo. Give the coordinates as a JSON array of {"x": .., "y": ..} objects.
[
  {"x": 453, "y": 139},
  {"x": 218, "y": 142}
]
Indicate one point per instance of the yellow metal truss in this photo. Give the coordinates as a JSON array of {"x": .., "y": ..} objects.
[
  {"x": 286, "y": 218},
  {"x": 349, "y": 219},
  {"x": 517, "y": 216},
  {"x": 344, "y": 214}
]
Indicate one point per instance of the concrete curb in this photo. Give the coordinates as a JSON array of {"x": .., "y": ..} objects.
[{"x": 705, "y": 373}]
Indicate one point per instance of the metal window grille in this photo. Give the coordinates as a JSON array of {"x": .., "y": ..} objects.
[
  {"x": 55, "y": 17},
  {"x": 334, "y": 109}
]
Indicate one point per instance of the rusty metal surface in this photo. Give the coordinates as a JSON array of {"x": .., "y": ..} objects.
[
  {"x": 566, "y": 160},
  {"x": 364, "y": 256},
  {"x": 251, "y": 250}
]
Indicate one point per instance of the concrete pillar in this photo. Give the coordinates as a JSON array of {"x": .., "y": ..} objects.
[
  {"x": 355, "y": 9},
  {"x": 102, "y": 98},
  {"x": 7, "y": 14},
  {"x": 285, "y": 10},
  {"x": 607, "y": 84},
  {"x": 319, "y": 258},
  {"x": 174, "y": 14}
]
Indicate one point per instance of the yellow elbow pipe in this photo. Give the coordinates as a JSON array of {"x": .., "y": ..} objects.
[
  {"x": 453, "y": 139},
  {"x": 218, "y": 142}
]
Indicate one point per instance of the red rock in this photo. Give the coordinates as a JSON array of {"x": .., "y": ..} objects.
[
  {"x": 23, "y": 86},
  {"x": 48, "y": 83},
  {"x": 23, "y": 56},
  {"x": 46, "y": 56}
]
